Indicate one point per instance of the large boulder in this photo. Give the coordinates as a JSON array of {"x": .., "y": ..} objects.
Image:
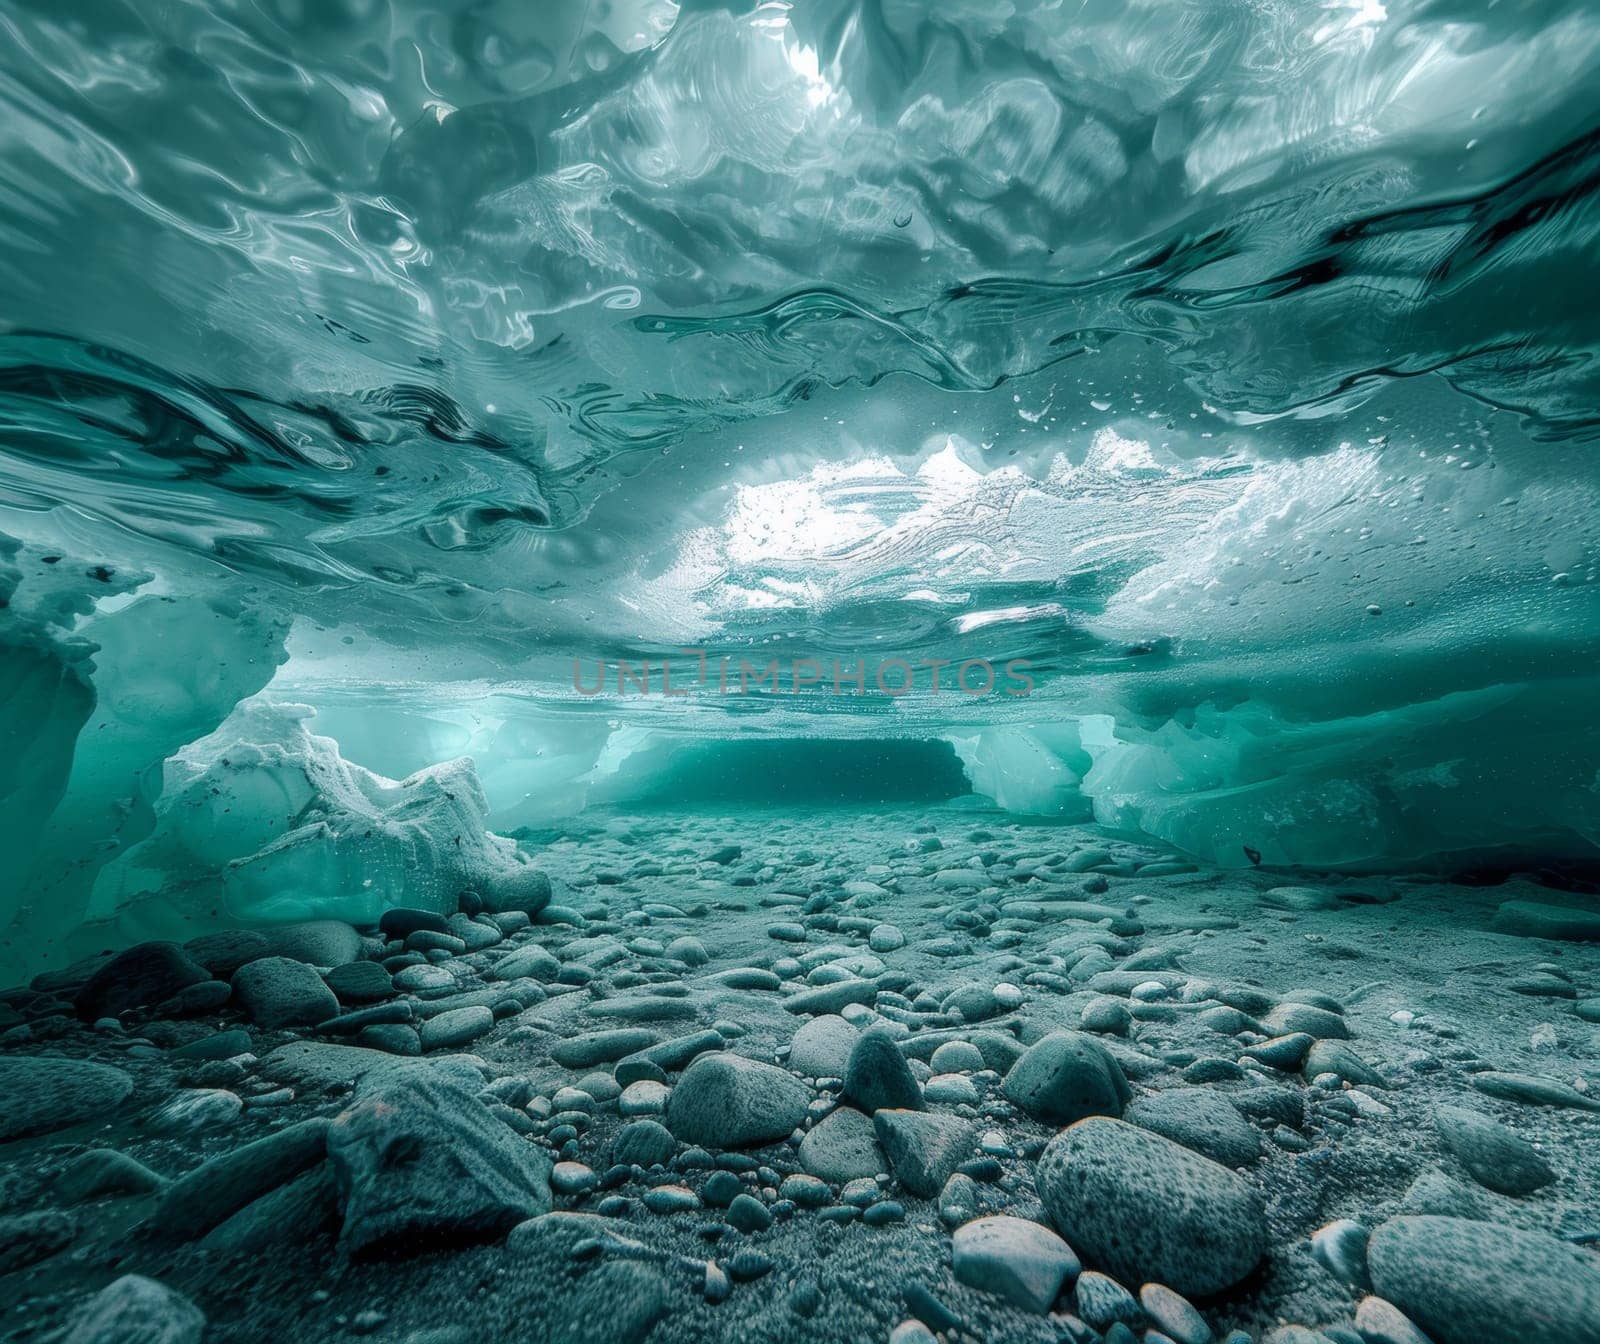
[
  {"x": 421, "y": 1160},
  {"x": 726, "y": 1101},
  {"x": 40, "y": 1094},
  {"x": 141, "y": 977},
  {"x": 1065, "y": 1077},
  {"x": 1466, "y": 1282},
  {"x": 283, "y": 992},
  {"x": 1145, "y": 1209}
]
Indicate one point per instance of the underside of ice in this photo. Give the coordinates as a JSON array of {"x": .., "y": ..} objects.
[{"x": 1233, "y": 374}]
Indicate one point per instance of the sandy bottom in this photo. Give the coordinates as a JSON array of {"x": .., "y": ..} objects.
[{"x": 1436, "y": 1001}]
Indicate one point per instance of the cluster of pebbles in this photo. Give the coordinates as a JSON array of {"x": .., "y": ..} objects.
[{"x": 875, "y": 1077}]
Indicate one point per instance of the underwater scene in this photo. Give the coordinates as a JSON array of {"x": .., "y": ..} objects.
[{"x": 800, "y": 671}]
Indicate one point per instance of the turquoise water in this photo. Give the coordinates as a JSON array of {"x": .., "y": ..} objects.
[{"x": 1228, "y": 371}]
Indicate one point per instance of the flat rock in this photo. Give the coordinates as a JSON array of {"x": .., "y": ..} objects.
[
  {"x": 1466, "y": 1282},
  {"x": 923, "y": 1148},
  {"x": 320, "y": 1065},
  {"x": 1024, "y": 1262},
  {"x": 1493, "y": 1156},
  {"x": 1145, "y": 1209},
  {"x": 40, "y": 1094},
  {"x": 1535, "y": 919},
  {"x": 727, "y": 1101},
  {"x": 420, "y": 1160}
]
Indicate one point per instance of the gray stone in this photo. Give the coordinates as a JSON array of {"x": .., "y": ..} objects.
[
  {"x": 842, "y": 1146},
  {"x": 1536, "y": 919},
  {"x": 321, "y": 1065},
  {"x": 601, "y": 1047},
  {"x": 136, "y": 1310},
  {"x": 821, "y": 1048},
  {"x": 1024, "y": 1262},
  {"x": 420, "y": 1159},
  {"x": 224, "y": 952},
  {"x": 643, "y": 1143},
  {"x": 458, "y": 1027},
  {"x": 140, "y": 977},
  {"x": 1380, "y": 1322},
  {"x": 1467, "y": 1282},
  {"x": 1143, "y": 1208},
  {"x": 1066, "y": 1076},
  {"x": 218, "y": 1045},
  {"x": 40, "y": 1094},
  {"x": 283, "y": 992},
  {"x": 923, "y": 1149},
  {"x": 525, "y": 889},
  {"x": 1199, "y": 1119},
  {"x": 105, "y": 1171},
  {"x": 195, "y": 1203},
  {"x": 1173, "y": 1315},
  {"x": 1533, "y": 1091},
  {"x": 530, "y": 962},
  {"x": 26, "y": 1238},
  {"x": 360, "y": 982},
  {"x": 1339, "y": 1059},
  {"x": 1493, "y": 1156},
  {"x": 726, "y": 1101},
  {"x": 299, "y": 1209},
  {"x": 1340, "y": 1247},
  {"x": 1101, "y": 1301},
  {"x": 877, "y": 1077},
  {"x": 1318, "y": 1023},
  {"x": 317, "y": 942}
]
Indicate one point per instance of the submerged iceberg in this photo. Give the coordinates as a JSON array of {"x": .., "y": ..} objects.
[{"x": 263, "y": 822}]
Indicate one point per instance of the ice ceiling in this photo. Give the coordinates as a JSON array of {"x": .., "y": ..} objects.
[{"x": 1232, "y": 364}]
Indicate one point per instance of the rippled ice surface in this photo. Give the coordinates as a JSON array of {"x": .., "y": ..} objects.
[{"x": 1228, "y": 367}]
